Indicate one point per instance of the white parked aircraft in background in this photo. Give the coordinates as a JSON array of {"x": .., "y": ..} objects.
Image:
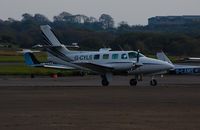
[
  {"x": 179, "y": 69},
  {"x": 191, "y": 59},
  {"x": 31, "y": 60},
  {"x": 104, "y": 62}
]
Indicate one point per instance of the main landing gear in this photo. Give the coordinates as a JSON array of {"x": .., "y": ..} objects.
[
  {"x": 105, "y": 79},
  {"x": 133, "y": 82}
]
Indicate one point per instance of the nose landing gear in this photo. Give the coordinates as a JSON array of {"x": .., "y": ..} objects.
[
  {"x": 106, "y": 78},
  {"x": 153, "y": 82},
  {"x": 105, "y": 82}
]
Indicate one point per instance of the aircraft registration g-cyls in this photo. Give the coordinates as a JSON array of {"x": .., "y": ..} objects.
[{"x": 103, "y": 62}]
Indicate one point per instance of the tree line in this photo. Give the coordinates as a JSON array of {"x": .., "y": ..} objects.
[{"x": 93, "y": 33}]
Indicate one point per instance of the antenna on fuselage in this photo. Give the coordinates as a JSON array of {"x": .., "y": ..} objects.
[{"x": 121, "y": 47}]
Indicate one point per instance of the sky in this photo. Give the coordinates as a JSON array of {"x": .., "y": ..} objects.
[{"x": 135, "y": 12}]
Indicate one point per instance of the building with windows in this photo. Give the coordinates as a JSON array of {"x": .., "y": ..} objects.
[{"x": 174, "y": 20}]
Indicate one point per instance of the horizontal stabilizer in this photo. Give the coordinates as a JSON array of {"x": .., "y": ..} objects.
[
  {"x": 27, "y": 50},
  {"x": 57, "y": 66}
]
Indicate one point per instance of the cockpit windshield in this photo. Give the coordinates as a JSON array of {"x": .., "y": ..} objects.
[{"x": 134, "y": 55}]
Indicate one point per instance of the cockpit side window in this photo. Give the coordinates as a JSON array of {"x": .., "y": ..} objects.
[
  {"x": 132, "y": 55},
  {"x": 124, "y": 56}
]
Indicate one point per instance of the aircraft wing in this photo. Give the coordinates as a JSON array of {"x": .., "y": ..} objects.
[{"x": 95, "y": 67}]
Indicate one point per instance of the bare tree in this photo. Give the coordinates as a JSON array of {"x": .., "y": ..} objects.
[
  {"x": 62, "y": 16},
  {"x": 106, "y": 21},
  {"x": 41, "y": 18},
  {"x": 26, "y": 17},
  {"x": 91, "y": 20}
]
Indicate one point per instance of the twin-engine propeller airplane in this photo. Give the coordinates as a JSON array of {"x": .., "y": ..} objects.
[{"x": 103, "y": 62}]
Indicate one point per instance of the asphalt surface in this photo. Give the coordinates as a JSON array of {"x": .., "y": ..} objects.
[
  {"x": 94, "y": 81},
  {"x": 80, "y": 103}
]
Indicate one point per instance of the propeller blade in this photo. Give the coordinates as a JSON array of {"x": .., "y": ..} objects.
[{"x": 138, "y": 56}]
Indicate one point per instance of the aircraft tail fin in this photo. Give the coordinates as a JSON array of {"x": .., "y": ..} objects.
[
  {"x": 50, "y": 36},
  {"x": 161, "y": 56},
  {"x": 53, "y": 44}
]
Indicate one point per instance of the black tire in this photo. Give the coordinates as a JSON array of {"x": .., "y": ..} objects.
[
  {"x": 153, "y": 82},
  {"x": 133, "y": 82},
  {"x": 105, "y": 82}
]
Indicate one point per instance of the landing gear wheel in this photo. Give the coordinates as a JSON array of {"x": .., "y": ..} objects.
[
  {"x": 105, "y": 82},
  {"x": 153, "y": 82},
  {"x": 133, "y": 82}
]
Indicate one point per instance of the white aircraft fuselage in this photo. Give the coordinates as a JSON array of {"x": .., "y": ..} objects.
[{"x": 123, "y": 61}]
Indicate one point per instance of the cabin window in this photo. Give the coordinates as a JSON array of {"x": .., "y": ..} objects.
[
  {"x": 115, "y": 56},
  {"x": 105, "y": 56},
  {"x": 124, "y": 56},
  {"x": 96, "y": 57}
]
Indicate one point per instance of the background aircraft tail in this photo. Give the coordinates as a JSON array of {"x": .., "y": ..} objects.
[
  {"x": 30, "y": 59},
  {"x": 161, "y": 56}
]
